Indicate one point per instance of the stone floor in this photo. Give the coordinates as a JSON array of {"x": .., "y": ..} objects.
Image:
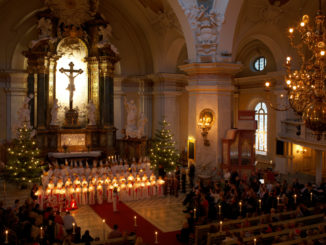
[
  {"x": 87, "y": 219},
  {"x": 165, "y": 212}
]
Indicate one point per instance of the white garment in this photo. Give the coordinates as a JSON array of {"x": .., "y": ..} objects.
[{"x": 115, "y": 202}]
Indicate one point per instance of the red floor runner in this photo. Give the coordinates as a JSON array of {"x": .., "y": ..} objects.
[{"x": 124, "y": 218}]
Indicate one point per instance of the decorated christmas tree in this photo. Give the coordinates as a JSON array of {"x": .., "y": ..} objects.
[
  {"x": 163, "y": 150},
  {"x": 23, "y": 165}
]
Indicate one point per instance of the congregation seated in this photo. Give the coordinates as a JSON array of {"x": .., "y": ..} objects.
[
  {"x": 242, "y": 198},
  {"x": 115, "y": 233}
]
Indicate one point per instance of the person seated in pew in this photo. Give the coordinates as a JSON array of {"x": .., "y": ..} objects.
[
  {"x": 86, "y": 238},
  {"x": 115, "y": 233}
]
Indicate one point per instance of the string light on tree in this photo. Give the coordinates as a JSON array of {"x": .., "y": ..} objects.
[
  {"x": 163, "y": 150},
  {"x": 23, "y": 164}
]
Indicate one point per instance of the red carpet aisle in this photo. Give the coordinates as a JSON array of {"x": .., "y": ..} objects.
[{"x": 124, "y": 218}]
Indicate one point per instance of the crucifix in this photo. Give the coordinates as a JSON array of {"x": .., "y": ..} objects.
[{"x": 71, "y": 86}]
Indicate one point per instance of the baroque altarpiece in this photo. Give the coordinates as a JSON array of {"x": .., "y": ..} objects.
[{"x": 70, "y": 78}]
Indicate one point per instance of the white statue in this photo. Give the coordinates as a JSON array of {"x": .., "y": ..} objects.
[
  {"x": 106, "y": 34},
  {"x": 206, "y": 24},
  {"x": 131, "y": 126},
  {"x": 91, "y": 109},
  {"x": 141, "y": 126},
  {"x": 45, "y": 28},
  {"x": 24, "y": 113},
  {"x": 54, "y": 113}
]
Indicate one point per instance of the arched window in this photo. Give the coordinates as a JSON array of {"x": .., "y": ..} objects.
[
  {"x": 260, "y": 63},
  {"x": 261, "y": 132}
]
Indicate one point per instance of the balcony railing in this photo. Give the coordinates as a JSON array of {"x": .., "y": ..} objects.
[{"x": 295, "y": 131}]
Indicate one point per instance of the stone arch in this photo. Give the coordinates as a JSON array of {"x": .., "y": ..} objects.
[
  {"x": 271, "y": 44},
  {"x": 186, "y": 28},
  {"x": 231, "y": 13},
  {"x": 173, "y": 54}
]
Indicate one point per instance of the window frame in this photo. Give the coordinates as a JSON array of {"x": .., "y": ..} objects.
[
  {"x": 261, "y": 113},
  {"x": 259, "y": 60}
]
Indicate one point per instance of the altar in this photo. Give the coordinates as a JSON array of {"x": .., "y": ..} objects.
[
  {"x": 70, "y": 82},
  {"x": 67, "y": 155}
]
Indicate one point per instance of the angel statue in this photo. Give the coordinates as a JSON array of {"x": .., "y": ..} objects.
[
  {"x": 54, "y": 113},
  {"x": 131, "y": 125},
  {"x": 106, "y": 34},
  {"x": 91, "y": 109},
  {"x": 45, "y": 28},
  {"x": 24, "y": 113},
  {"x": 141, "y": 126}
]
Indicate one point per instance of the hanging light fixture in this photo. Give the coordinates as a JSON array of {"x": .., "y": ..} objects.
[{"x": 306, "y": 88}]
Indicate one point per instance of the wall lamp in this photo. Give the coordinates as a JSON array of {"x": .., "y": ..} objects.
[{"x": 206, "y": 120}]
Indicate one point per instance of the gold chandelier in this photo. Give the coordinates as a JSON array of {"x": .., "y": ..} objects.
[{"x": 306, "y": 88}]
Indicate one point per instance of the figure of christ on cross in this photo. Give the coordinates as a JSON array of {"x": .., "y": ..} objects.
[{"x": 71, "y": 86}]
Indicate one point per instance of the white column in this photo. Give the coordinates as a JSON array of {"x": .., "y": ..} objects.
[
  {"x": 319, "y": 166},
  {"x": 15, "y": 98},
  {"x": 210, "y": 86},
  {"x": 145, "y": 94},
  {"x": 118, "y": 106},
  {"x": 167, "y": 88}
]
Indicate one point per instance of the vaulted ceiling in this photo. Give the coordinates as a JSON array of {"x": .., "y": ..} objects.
[{"x": 143, "y": 31}]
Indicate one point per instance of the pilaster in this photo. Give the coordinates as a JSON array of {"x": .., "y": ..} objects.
[
  {"x": 16, "y": 94},
  {"x": 210, "y": 87},
  {"x": 145, "y": 95},
  {"x": 319, "y": 166},
  {"x": 166, "y": 89},
  {"x": 118, "y": 103}
]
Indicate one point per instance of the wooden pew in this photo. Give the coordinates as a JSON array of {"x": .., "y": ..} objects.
[
  {"x": 311, "y": 218},
  {"x": 274, "y": 234},
  {"x": 201, "y": 230},
  {"x": 309, "y": 238},
  {"x": 115, "y": 241}
]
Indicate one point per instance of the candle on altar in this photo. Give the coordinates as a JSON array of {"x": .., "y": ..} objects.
[
  {"x": 41, "y": 232},
  {"x": 278, "y": 201},
  {"x": 195, "y": 210},
  {"x": 295, "y": 198},
  {"x": 310, "y": 196},
  {"x": 156, "y": 237},
  {"x": 255, "y": 241},
  {"x": 135, "y": 221},
  {"x": 219, "y": 210},
  {"x": 240, "y": 206},
  {"x": 73, "y": 228},
  {"x": 103, "y": 221},
  {"x": 221, "y": 225},
  {"x": 6, "y": 239}
]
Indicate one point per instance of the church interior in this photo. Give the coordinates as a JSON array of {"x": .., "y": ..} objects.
[{"x": 162, "y": 122}]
